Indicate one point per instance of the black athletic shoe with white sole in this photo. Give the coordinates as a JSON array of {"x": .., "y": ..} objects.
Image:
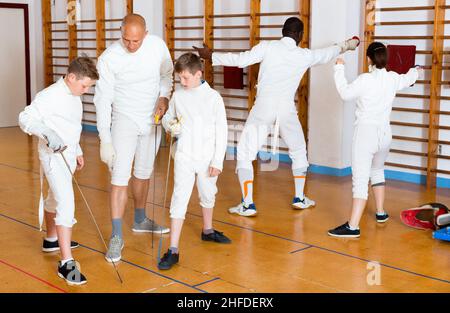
[
  {"x": 382, "y": 218},
  {"x": 216, "y": 236},
  {"x": 71, "y": 273},
  {"x": 344, "y": 231},
  {"x": 51, "y": 246},
  {"x": 168, "y": 260}
]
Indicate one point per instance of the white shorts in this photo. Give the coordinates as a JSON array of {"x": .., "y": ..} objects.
[
  {"x": 60, "y": 198},
  {"x": 256, "y": 130},
  {"x": 370, "y": 150},
  {"x": 185, "y": 174},
  {"x": 130, "y": 143}
]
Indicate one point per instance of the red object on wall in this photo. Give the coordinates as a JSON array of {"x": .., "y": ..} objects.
[
  {"x": 233, "y": 77},
  {"x": 400, "y": 58}
]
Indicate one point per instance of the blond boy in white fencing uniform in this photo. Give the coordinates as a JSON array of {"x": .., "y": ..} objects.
[{"x": 55, "y": 117}]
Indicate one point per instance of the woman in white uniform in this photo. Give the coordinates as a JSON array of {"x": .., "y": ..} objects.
[{"x": 374, "y": 93}]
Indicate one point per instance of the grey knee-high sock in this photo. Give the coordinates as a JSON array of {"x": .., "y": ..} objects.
[
  {"x": 139, "y": 215},
  {"x": 116, "y": 227}
]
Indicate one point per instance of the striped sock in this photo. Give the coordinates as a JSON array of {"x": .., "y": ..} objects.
[
  {"x": 299, "y": 180},
  {"x": 246, "y": 181}
]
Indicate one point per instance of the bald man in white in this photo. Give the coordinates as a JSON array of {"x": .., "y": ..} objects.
[{"x": 135, "y": 85}]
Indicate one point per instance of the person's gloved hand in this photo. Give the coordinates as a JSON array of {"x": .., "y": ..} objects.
[
  {"x": 107, "y": 154},
  {"x": 54, "y": 142},
  {"x": 175, "y": 127},
  {"x": 349, "y": 44},
  {"x": 420, "y": 71}
]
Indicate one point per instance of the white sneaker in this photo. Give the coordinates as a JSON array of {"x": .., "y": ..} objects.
[
  {"x": 242, "y": 210},
  {"x": 302, "y": 204}
]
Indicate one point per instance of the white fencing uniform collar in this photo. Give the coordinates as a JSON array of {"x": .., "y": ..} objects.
[
  {"x": 64, "y": 84},
  {"x": 289, "y": 41}
]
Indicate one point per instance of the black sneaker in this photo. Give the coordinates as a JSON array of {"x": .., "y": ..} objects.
[
  {"x": 51, "y": 246},
  {"x": 168, "y": 260},
  {"x": 382, "y": 218},
  {"x": 216, "y": 236},
  {"x": 71, "y": 273},
  {"x": 344, "y": 231}
]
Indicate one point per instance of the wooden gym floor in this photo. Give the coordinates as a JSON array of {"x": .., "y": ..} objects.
[{"x": 280, "y": 250}]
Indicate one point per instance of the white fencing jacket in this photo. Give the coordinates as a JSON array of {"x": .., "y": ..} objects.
[
  {"x": 375, "y": 91},
  {"x": 131, "y": 83},
  {"x": 283, "y": 65},
  {"x": 204, "y": 129},
  {"x": 58, "y": 109}
]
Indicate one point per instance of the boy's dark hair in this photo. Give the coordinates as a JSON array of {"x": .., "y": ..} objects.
[
  {"x": 377, "y": 53},
  {"x": 82, "y": 67},
  {"x": 190, "y": 62}
]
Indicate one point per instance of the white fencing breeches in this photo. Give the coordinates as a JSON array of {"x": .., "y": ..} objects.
[
  {"x": 60, "y": 198},
  {"x": 185, "y": 173},
  {"x": 257, "y": 127},
  {"x": 130, "y": 143},
  {"x": 369, "y": 152}
]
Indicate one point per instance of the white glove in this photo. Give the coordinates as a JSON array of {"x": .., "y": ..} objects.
[
  {"x": 420, "y": 72},
  {"x": 175, "y": 127},
  {"x": 107, "y": 154},
  {"x": 349, "y": 44},
  {"x": 54, "y": 142}
]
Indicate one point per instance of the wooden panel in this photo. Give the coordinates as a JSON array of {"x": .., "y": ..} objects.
[
  {"x": 435, "y": 91},
  {"x": 208, "y": 34},
  {"x": 303, "y": 90},
  {"x": 47, "y": 34},
  {"x": 72, "y": 27},
  {"x": 369, "y": 31},
  {"x": 100, "y": 26}
]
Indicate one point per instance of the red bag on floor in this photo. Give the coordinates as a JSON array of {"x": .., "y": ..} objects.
[
  {"x": 400, "y": 58},
  {"x": 424, "y": 217},
  {"x": 233, "y": 77}
]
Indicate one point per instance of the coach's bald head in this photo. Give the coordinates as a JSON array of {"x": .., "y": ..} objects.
[{"x": 134, "y": 31}]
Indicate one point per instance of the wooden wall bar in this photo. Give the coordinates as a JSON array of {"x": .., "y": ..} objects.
[
  {"x": 72, "y": 27},
  {"x": 255, "y": 10},
  {"x": 435, "y": 91},
  {"x": 47, "y": 34},
  {"x": 169, "y": 8},
  {"x": 303, "y": 91},
  {"x": 208, "y": 34},
  {"x": 431, "y": 154},
  {"x": 100, "y": 26}
]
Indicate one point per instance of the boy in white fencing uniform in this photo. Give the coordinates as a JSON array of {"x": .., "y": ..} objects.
[
  {"x": 135, "y": 83},
  {"x": 55, "y": 117},
  {"x": 197, "y": 116},
  {"x": 282, "y": 65},
  {"x": 375, "y": 91}
]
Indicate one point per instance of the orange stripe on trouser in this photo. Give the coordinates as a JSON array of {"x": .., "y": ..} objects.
[
  {"x": 295, "y": 177},
  {"x": 246, "y": 183}
]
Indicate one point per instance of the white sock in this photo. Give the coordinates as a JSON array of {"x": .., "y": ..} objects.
[
  {"x": 65, "y": 261},
  {"x": 51, "y": 239},
  {"x": 352, "y": 228},
  {"x": 246, "y": 181},
  {"x": 299, "y": 180}
]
